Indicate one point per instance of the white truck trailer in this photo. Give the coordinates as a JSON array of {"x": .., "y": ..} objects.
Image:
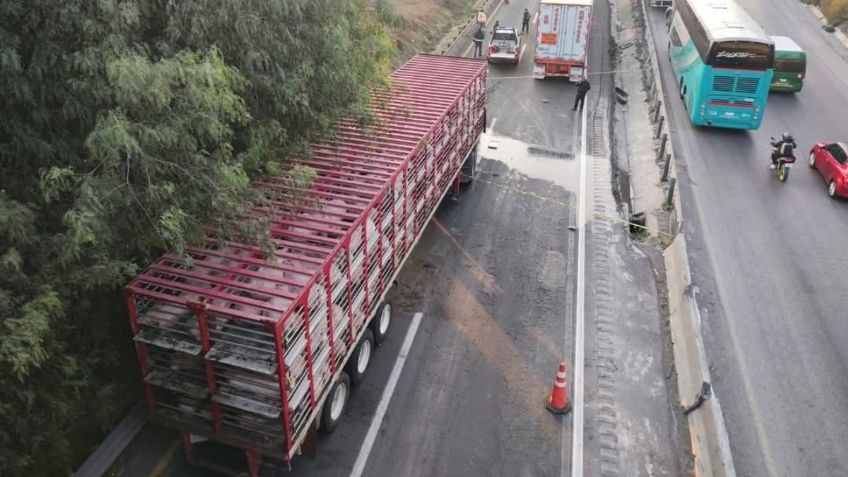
[{"x": 562, "y": 38}]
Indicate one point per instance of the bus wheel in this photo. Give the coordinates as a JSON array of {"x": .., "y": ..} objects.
[
  {"x": 380, "y": 324},
  {"x": 335, "y": 404},
  {"x": 361, "y": 358}
]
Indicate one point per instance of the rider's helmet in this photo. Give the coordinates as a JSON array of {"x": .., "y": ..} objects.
[{"x": 787, "y": 136}]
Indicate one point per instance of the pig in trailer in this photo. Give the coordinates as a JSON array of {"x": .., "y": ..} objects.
[
  {"x": 247, "y": 356},
  {"x": 562, "y": 38}
]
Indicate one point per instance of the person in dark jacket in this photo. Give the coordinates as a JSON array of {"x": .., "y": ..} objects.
[
  {"x": 525, "y": 21},
  {"x": 583, "y": 87},
  {"x": 785, "y": 147},
  {"x": 479, "y": 36}
]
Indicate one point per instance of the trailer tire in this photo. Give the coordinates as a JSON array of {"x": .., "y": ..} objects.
[
  {"x": 381, "y": 323},
  {"x": 360, "y": 360},
  {"x": 335, "y": 404}
]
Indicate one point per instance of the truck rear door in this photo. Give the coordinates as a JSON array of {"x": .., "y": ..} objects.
[{"x": 562, "y": 33}]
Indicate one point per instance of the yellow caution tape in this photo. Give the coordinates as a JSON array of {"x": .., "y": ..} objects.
[{"x": 596, "y": 215}]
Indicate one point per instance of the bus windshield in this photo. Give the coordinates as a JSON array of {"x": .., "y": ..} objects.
[
  {"x": 747, "y": 55},
  {"x": 789, "y": 65}
]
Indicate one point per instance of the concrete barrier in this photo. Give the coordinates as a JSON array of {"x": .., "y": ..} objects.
[
  {"x": 710, "y": 444},
  {"x": 707, "y": 431},
  {"x": 114, "y": 444},
  {"x": 657, "y": 96},
  {"x": 689, "y": 353},
  {"x": 465, "y": 31}
]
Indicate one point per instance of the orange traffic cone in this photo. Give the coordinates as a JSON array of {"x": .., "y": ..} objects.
[{"x": 558, "y": 402}]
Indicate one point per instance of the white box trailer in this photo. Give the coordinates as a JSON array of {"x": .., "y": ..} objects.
[{"x": 562, "y": 38}]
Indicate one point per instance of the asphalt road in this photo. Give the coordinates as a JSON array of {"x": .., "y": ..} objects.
[{"x": 769, "y": 261}]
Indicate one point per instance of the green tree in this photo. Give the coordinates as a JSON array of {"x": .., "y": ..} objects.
[
  {"x": 125, "y": 127},
  {"x": 307, "y": 63}
]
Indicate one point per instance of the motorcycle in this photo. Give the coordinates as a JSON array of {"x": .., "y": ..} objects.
[{"x": 783, "y": 163}]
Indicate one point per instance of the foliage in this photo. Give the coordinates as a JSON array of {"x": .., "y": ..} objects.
[
  {"x": 836, "y": 11},
  {"x": 125, "y": 127}
]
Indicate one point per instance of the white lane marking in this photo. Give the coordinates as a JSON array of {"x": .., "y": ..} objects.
[
  {"x": 492, "y": 126},
  {"x": 577, "y": 431},
  {"x": 535, "y": 17},
  {"x": 383, "y": 406}
]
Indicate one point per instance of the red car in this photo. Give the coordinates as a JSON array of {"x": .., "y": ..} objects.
[{"x": 831, "y": 160}]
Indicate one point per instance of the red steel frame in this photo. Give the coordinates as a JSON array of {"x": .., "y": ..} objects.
[{"x": 226, "y": 322}]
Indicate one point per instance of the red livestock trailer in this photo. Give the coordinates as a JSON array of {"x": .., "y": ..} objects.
[{"x": 241, "y": 352}]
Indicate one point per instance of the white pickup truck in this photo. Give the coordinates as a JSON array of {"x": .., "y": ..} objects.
[{"x": 505, "y": 46}]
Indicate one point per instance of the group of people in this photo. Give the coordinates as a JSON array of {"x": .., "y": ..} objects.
[
  {"x": 583, "y": 85},
  {"x": 480, "y": 34}
]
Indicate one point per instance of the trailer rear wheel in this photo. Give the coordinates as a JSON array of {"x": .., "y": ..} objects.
[
  {"x": 380, "y": 324},
  {"x": 361, "y": 358},
  {"x": 335, "y": 404}
]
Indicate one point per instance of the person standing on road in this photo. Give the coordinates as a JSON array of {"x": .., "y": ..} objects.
[
  {"x": 583, "y": 87},
  {"x": 479, "y": 36},
  {"x": 481, "y": 18},
  {"x": 525, "y": 21}
]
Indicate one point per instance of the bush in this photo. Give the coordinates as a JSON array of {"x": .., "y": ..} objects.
[{"x": 126, "y": 126}]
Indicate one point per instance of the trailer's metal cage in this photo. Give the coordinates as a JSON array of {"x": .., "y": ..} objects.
[{"x": 243, "y": 350}]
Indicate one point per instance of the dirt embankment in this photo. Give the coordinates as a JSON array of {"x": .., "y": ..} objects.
[{"x": 419, "y": 25}]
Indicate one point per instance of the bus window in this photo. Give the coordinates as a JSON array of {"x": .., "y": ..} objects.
[
  {"x": 742, "y": 54},
  {"x": 675, "y": 38},
  {"x": 790, "y": 65}
]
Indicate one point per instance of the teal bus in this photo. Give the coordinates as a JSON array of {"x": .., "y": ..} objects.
[
  {"x": 790, "y": 66},
  {"x": 723, "y": 62}
]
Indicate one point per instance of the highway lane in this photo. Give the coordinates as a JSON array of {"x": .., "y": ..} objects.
[
  {"x": 470, "y": 400},
  {"x": 770, "y": 263}
]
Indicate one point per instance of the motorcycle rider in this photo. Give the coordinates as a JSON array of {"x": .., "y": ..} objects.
[{"x": 785, "y": 147}]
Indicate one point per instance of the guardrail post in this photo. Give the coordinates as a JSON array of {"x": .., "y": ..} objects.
[
  {"x": 662, "y": 146},
  {"x": 669, "y": 200},
  {"x": 659, "y": 127},
  {"x": 665, "y": 168},
  {"x": 657, "y": 112}
]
